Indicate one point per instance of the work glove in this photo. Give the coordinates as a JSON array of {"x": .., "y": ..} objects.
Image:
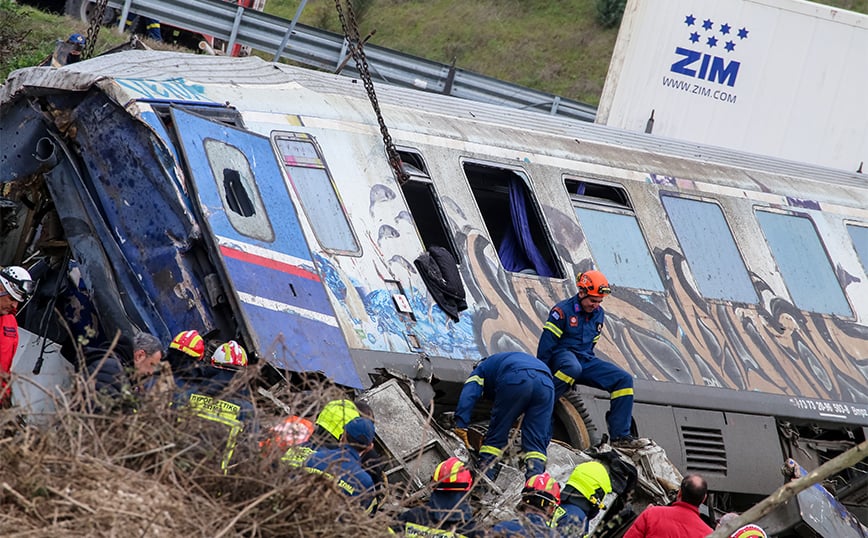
[{"x": 462, "y": 434}]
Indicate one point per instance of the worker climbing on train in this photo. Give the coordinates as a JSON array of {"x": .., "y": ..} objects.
[
  {"x": 447, "y": 512},
  {"x": 582, "y": 498},
  {"x": 567, "y": 343},
  {"x": 518, "y": 384}
]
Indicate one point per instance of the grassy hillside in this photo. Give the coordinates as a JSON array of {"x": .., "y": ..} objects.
[{"x": 556, "y": 46}]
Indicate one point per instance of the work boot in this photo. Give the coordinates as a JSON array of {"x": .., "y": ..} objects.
[
  {"x": 489, "y": 465},
  {"x": 533, "y": 466},
  {"x": 630, "y": 442}
]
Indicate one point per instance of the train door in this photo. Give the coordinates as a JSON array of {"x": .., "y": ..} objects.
[{"x": 253, "y": 228}]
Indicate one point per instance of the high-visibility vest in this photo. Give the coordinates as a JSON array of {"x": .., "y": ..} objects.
[
  {"x": 421, "y": 531},
  {"x": 221, "y": 412}
]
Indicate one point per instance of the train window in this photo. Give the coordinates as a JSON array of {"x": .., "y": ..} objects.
[
  {"x": 710, "y": 249},
  {"x": 859, "y": 235},
  {"x": 312, "y": 183},
  {"x": 424, "y": 204},
  {"x": 238, "y": 191},
  {"x": 513, "y": 219},
  {"x": 613, "y": 235},
  {"x": 803, "y": 263}
]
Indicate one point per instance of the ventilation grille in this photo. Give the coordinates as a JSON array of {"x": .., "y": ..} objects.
[{"x": 704, "y": 449}]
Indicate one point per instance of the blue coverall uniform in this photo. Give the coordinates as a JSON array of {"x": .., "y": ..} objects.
[
  {"x": 567, "y": 346},
  {"x": 343, "y": 466},
  {"x": 531, "y": 525},
  {"x": 572, "y": 519},
  {"x": 448, "y": 510},
  {"x": 517, "y": 383}
]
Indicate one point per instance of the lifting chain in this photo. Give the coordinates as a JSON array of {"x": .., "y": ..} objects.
[
  {"x": 356, "y": 47},
  {"x": 93, "y": 29}
]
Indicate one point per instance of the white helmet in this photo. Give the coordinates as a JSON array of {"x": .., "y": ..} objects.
[
  {"x": 229, "y": 354},
  {"x": 16, "y": 282}
]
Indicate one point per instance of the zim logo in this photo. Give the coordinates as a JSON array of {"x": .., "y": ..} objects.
[
  {"x": 698, "y": 58},
  {"x": 711, "y": 68}
]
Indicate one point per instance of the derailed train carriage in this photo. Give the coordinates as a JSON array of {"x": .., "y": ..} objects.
[{"x": 255, "y": 201}]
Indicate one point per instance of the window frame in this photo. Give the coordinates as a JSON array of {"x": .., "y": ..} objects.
[
  {"x": 607, "y": 205},
  {"x": 297, "y": 136},
  {"x": 553, "y": 257},
  {"x": 681, "y": 196},
  {"x": 825, "y": 251}
]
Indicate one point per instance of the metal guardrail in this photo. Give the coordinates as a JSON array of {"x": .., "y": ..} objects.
[{"x": 326, "y": 50}]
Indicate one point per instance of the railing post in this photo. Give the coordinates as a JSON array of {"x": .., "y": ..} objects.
[{"x": 289, "y": 31}]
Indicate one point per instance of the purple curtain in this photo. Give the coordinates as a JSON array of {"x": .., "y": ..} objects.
[{"x": 517, "y": 251}]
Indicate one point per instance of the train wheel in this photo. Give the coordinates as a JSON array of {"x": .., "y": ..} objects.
[{"x": 574, "y": 422}]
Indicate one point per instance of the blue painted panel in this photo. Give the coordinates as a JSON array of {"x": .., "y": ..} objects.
[{"x": 283, "y": 301}]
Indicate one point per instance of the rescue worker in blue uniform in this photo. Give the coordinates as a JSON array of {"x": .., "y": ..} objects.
[
  {"x": 343, "y": 466},
  {"x": 582, "y": 498},
  {"x": 447, "y": 512},
  {"x": 567, "y": 345},
  {"x": 539, "y": 500},
  {"x": 517, "y": 383}
]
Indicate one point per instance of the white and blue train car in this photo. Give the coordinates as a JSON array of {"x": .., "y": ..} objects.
[{"x": 254, "y": 200}]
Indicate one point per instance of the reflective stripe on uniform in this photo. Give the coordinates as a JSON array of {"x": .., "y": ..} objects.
[
  {"x": 221, "y": 412},
  {"x": 622, "y": 392},
  {"x": 419, "y": 531},
  {"x": 296, "y": 455},
  {"x": 475, "y": 379},
  {"x": 488, "y": 449},
  {"x": 564, "y": 377},
  {"x": 553, "y": 328},
  {"x": 535, "y": 456}
]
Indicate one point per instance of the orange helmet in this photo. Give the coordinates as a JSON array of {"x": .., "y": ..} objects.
[
  {"x": 229, "y": 354},
  {"x": 452, "y": 475},
  {"x": 291, "y": 431},
  {"x": 594, "y": 283},
  {"x": 749, "y": 531},
  {"x": 189, "y": 343},
  {"x": 541, "y": 490}
]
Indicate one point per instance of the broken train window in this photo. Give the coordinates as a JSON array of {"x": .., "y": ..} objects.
[
  {"x": 513, "y": 219},
  {"x": 424, "y": 204},
  {"x": 314, "y": 187},
  {"x": 238, "y": 190}
]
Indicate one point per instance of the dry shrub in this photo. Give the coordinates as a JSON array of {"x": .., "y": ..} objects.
[{"x": 155, "y": 472}]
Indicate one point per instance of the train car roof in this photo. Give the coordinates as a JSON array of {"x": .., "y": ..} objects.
[{"x": 254, "y": 71}]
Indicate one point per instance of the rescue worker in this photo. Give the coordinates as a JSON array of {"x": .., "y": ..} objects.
[
  {"x": 567, "y": 345},
  {"x": 209, "y": 394},
  {"x": 342, "y": 464},
  {"x": 517, "y": 383},
  {"x": 447, "y": 512},
  {"x": 330, "y": 426},
  {"x": 16, "y": 287},
  {"x": 185, "y": 355},
  {"x": 76, "y": 44},
  {"x": 539, "y": 500},
  {"x": 151, "y": 27},
  {"x": 110, "y": 369},
  {"x": 681, "y": 518},
  {"x": 582, "y": 498}
]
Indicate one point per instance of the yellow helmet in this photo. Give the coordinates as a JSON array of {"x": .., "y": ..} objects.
[
  {"x": 591, "y": 479},
  {"x": 335, "y": 415}
]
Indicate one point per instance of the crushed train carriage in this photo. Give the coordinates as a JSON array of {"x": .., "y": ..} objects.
[{"x": 255, "y": 200}]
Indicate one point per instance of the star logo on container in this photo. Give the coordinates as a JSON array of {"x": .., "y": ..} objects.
[{"x": 708, "y": 48}]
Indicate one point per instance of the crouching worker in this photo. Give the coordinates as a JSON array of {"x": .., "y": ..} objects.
[
  {"x": 448, "y": 511},
  {"x": 539, "y": 500},
  {"x": 517, "y": 383},
  {"x": 582, "y": 498},
  {"x": 342, "y": 464}
]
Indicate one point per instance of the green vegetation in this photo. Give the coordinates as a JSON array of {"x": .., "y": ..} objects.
[{"x": 556, "y": 46}]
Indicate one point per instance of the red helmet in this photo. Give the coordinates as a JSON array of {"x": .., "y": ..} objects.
[
  {"x": 190, "y": 343},
  {"x": 594, "y": 283},
  {"x": 452, "y": 475},
  {"x": 541, "y": 490},
  {"x": 229, "y": 354}
]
